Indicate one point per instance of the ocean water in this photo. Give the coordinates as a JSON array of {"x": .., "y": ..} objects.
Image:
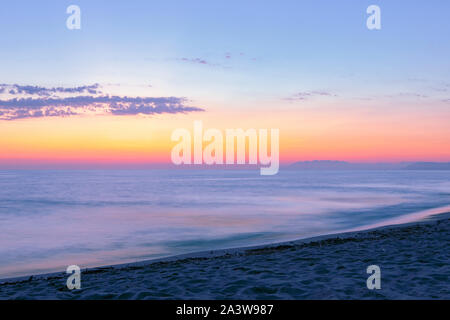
[{"x": 52, "y": 219}]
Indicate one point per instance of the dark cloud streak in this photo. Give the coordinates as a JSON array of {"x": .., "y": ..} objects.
[
  {"x": 16, "y": 89},
  {"x": 36, "y": 107}
]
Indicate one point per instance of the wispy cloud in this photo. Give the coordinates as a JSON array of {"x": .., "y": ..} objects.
[
  {"x": 222, "y": 60},
  {"x": 305, "y": 95},
  {"x": 44, "y": 106},
  {"x": 433, "y": 85},
  {"x": 442, "y": 87},
  {"x": 16, "y": 89},
  {"x": 407, "y": 95},
  {"x": 198, "y": 61}
]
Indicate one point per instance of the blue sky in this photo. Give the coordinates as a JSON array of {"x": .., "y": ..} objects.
[{"x": 273, "y": 47}]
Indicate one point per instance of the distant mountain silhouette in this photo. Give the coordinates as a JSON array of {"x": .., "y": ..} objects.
[
  {"x": 343, "y": 165},
  {"x": 428, "y": 166}
]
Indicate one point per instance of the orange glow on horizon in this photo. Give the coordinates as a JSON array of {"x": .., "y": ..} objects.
[{"x": 346, "y": 134}]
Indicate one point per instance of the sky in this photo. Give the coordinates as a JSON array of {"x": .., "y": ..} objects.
[{"x": 111, "y": 93}]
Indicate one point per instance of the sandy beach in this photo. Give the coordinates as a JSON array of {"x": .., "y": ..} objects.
[{"x": 414, "y": 261}]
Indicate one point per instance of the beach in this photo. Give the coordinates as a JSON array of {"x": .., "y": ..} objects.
[{"x": 413, "y": 258}]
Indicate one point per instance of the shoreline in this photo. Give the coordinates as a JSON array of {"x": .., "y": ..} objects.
[
  {"x": 238, "y": 250},
  {"x": 412, "y": 234}
]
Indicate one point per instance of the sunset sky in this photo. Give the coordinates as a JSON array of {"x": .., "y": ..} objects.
[{"x": 111, "y": 93}]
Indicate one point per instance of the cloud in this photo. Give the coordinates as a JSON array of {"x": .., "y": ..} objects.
[
  {"x": 16, "y": 89},
  {"x": 200, "y": 61},
  {"x": 437, "y": 86},
  {"x": 223, "y": 61},
  {"x": 196, "y": 60},
  {"x": 36, "y": 107},
  {"x": 305, "y": 95},
  {"x": 407, "y": 95},
  {"x": 442, "y": 87}
]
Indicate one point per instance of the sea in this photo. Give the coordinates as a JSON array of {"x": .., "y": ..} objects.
[{"x": 50, "y": 219}]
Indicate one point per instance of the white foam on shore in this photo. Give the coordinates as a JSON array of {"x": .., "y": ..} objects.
[{"x": 404, "y": 219}]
